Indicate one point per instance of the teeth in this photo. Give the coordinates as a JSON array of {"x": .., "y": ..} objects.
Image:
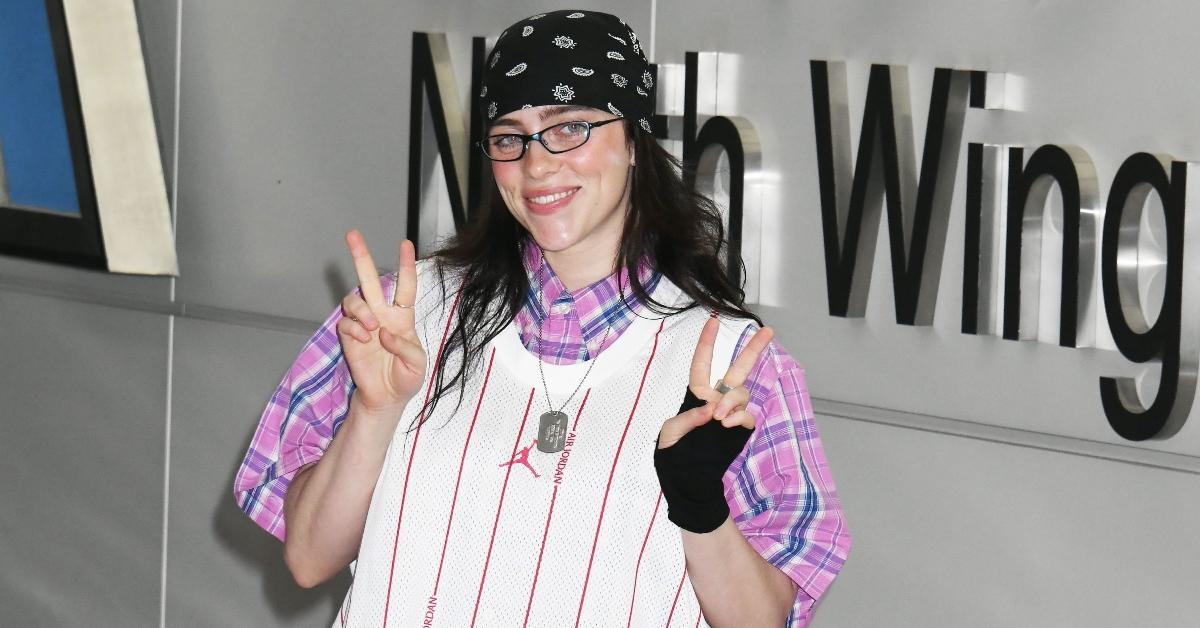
[{"x": 550, "y": 198}]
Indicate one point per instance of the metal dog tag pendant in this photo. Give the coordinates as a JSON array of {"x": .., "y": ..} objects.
[{"x": 552, "y": 432}]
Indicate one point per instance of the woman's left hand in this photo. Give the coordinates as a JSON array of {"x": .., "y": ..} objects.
[
  {"x": 730, "y": 407},
  {"x": 696, "y": 447}
]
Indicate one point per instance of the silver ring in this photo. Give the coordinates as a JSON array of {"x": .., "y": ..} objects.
[{"x": 722, "y": 387}]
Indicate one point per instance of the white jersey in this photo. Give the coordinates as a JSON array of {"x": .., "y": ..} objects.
[{"x": 471, "y": 525}]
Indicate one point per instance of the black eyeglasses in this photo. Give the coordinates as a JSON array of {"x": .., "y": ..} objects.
[{"x": 559, "y": 138}]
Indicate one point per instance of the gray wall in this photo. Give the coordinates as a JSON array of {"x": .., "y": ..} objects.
[{"x": 977, "y": 496}]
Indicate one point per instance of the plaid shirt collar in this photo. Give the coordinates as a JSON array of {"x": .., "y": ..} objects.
[{"x": 573, "y": 324}]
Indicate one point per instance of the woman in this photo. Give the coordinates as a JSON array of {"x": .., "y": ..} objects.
[{"x": 495, "y": 434}]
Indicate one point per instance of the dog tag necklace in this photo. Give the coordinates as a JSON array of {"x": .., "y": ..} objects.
[{"x": 552, "y": 429}]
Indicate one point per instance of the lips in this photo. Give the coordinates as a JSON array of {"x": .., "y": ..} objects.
[{"x": 549, "y": 200}]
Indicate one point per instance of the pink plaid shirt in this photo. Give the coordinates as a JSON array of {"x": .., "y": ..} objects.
[{"x": 780, "y": 492}]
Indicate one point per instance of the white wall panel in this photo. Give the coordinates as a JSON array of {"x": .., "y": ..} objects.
[
  {"x": 82, "y": 460},
  {"x": 222, "y": 570},
  {"x": 952, "y": 531}
]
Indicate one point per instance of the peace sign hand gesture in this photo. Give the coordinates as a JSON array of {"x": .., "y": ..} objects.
[
  {"x": 696, "y": 447},
  {"x": 729, "y": 408},
  {"x": 379, "y": 337}
]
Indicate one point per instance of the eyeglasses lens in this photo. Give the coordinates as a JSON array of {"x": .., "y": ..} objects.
[{"x": 557, "y": 139}]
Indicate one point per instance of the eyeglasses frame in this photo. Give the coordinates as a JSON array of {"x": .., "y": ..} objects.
[{"x": 526, "y": 139}]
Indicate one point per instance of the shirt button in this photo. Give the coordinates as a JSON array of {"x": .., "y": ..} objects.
[{"x": 561, "y": 308}]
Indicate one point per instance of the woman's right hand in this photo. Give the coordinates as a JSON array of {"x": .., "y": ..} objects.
[{"x": 378, "y": 337}]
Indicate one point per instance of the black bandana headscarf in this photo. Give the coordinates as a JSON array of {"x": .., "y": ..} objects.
[{"x": 569, "y": 58}]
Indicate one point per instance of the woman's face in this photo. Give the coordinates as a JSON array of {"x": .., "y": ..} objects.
[{"x": 573, "y": 202}]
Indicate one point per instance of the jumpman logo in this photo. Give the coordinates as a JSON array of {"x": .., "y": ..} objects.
[{"x": 522, "y": 457}]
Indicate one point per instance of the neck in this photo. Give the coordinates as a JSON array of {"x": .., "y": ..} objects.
[{"x": 579, "y": 268}]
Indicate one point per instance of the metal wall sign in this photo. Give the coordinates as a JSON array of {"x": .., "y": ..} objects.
[
  {"x": 1007, "y": 190},
  {"x": 881, "y": 176}
]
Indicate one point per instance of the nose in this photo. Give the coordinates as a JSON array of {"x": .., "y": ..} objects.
[{"x": 538, "y": 161}]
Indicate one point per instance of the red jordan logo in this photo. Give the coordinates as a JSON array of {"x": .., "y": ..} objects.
[{"x": 522, "y": 457}]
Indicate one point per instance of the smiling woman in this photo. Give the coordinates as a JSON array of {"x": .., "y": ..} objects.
[{"x": 678, "y": 478}]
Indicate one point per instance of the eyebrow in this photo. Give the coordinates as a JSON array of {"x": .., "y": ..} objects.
[{"x": 543, "y": 115}]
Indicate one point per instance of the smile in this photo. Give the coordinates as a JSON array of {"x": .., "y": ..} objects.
[{"x": 550, "y": 201}]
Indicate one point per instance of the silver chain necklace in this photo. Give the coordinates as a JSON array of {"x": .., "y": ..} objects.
[{"x": 552, "y": 428}]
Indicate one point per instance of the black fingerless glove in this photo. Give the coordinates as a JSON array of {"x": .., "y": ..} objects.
[{"x": 690, "y": 471}]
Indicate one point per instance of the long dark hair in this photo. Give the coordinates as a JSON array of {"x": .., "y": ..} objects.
[{"x": 679, "y": 230}]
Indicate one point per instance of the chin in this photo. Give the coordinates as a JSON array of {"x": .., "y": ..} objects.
[{"x": 554, "y": 243}]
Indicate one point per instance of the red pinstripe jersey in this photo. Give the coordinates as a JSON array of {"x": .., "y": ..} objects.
[{"x": 471, "y": 525}]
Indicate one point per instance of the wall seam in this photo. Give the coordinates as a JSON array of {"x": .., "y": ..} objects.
[
  {"x": 179, "y": 309},
  {"x": 1015, "y": 437},
  {"x": 825, "y": 406},
  {"x": 162, "y": 596}
]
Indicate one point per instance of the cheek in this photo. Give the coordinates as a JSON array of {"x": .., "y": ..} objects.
[
  {"x": 504, "y": 173},
  {"x": 609, "y": 165},
  {"x": 615, "y": 171},
  {"x": 507, "y": 178}
]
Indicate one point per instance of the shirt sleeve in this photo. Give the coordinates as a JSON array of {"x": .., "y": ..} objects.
[
  {"x": 296, "y": 427},
  {"x": 307, "y": 409},
  {"x": 779, "y": 488}
]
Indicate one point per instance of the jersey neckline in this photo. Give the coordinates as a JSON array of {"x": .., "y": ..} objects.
[{"x": 562, "y": 378}]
